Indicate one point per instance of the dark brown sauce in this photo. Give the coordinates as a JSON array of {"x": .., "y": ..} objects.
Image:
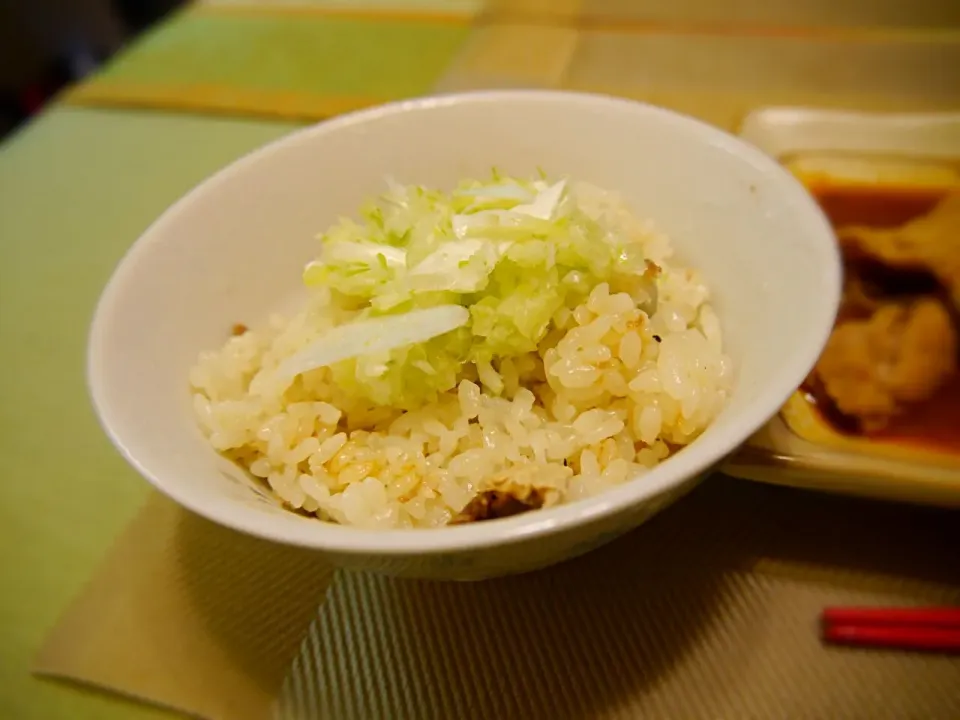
[
  {"x": 892, "y": 282},
  {"x": 874, "y": 205},
  {"x": 931, "y": 425},
  {"x": 828, "y": 412}
]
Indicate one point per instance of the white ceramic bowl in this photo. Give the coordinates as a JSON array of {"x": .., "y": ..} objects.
[{"x": 233, "y": 249}]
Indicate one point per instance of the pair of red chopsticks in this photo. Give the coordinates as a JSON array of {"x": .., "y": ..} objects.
[{"x": 932, "y": 629}]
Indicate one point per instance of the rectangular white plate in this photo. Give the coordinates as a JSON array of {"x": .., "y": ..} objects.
[{"x": 918, "y": 148}]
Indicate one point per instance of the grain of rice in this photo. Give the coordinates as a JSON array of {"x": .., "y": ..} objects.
[
  {"x": 314, "y": 488},
  {"x": 595, "y": 355},
  {"x": 355, "y": 472},
  {"x": 401, "y": 487},
  {"x": 490, "y": 377},
  {"x": 328, "y": 449},
  {"x": 647, "y": 422},
  {"x": 582, "y": 315},
  {"x": 589, "y": 465},
  {"x": 614, "y": 384},
  {"x": 448, "y": 443},
  {"x": 596, "y": 302},
  {"x": 469, "y": 395},
  {"x": 304, "y": 449},
  {"x": 616, "y": 471},
  {"x": 434, "y": 427},
  {"x": 625, "y": 445},
  {"x": 607, "y": 451},
  {"x": 629, "y": 349},
  {"x": 646, "y": 381},
  {"x": 596, "y": 425},
  {"x": 571, "y": 373}
]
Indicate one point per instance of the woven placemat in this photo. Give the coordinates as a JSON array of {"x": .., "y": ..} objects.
[{"x": 708, "y": 611}]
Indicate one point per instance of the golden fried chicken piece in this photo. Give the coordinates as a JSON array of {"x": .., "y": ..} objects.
[
  {"x": 859, "y": 299},
  {"x": 901, "y": 355},
  {"x": 931, "y": 243}
]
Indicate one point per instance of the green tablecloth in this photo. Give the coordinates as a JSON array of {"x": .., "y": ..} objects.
[{"x": 76, "y": 188}]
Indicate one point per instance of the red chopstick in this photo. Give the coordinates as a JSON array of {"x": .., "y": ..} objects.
[
  {"x": 904, "y": 628},
  {"x": 924, "y": 617}
]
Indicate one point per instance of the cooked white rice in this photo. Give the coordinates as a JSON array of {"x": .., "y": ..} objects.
[{"x": 609, "y": 394}]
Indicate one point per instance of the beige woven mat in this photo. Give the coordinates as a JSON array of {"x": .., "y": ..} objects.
[
  {"x": 709, "y": 611},
  {"x": 718, "y": 61},
  {"x": 755, "y": 15}
]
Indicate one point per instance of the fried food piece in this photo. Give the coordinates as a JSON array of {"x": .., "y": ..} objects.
[
  {"x": 492, "y": 504},
  {"x": 930, "y": 243},
  {"x": 860, "y": 300},
  {"x": 507, "y": 495},
  {"x": 872, "y": 369}
]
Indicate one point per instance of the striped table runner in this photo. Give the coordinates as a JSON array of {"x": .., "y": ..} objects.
[{"x": 310, "y": 59}]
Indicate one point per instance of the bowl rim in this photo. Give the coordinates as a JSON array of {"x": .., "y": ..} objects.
[{"x": 702, "y": 455}]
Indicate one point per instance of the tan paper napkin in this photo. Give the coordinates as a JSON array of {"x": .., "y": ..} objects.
[{"x": 191, "y": 616}]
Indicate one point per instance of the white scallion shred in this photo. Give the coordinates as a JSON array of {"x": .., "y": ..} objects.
[{"x": 374, "y": 335}]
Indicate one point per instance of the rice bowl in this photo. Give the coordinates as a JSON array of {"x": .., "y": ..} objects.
[
  {"x": 599, "y": 390},
  {"x": 231, "y": 250}
]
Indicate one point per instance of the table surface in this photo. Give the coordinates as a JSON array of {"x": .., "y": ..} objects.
[{"x": 76, "y": 188}]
